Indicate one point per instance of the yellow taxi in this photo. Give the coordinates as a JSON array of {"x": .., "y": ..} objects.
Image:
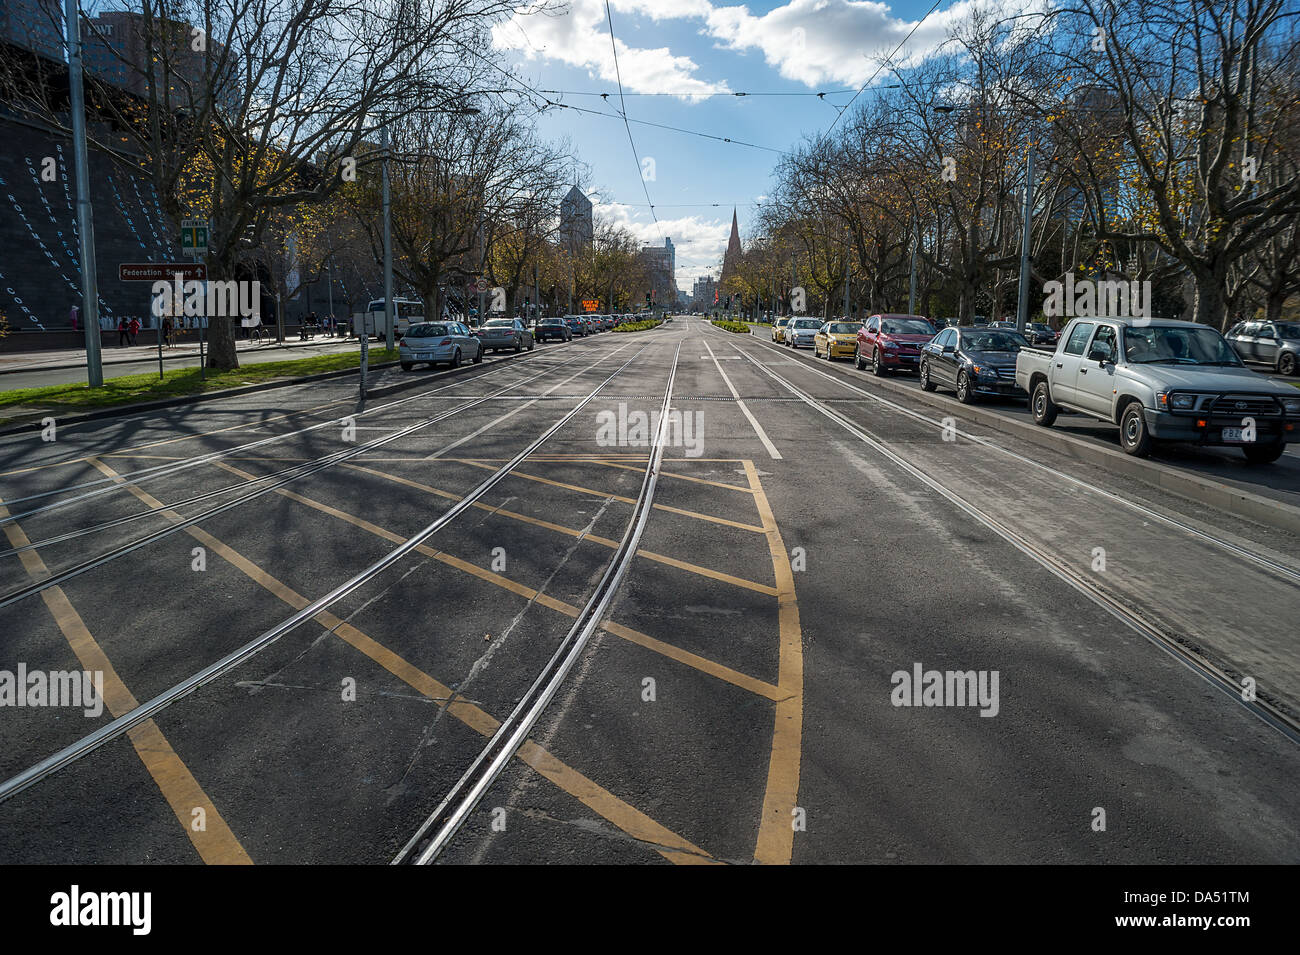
[
  {"x": 836, "y": 340},
  {"x": 778, "y": 329}
]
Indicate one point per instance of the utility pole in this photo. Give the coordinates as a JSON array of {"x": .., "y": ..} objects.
[
  {"x": 1022, "y": 310},
  {"x": 846, "y": 274},
  {"x": 85, "y": 216}
]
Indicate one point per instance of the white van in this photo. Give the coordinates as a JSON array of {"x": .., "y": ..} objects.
[{"x": 405, "y": 312}]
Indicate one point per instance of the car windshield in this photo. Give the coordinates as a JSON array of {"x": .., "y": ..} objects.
[
  {"x": 906, "y": 326},
  {"x": 845, "y": 328},
  {"x": 783, "y": 321},
  {"x": 426, "y": 330},
  {"x": 1177, "y": 346},
  {"x": 551, "y": 321},
  {"x": 807, "y": 323},
  {"x": 992, "y": 339},
  {"x": 1288, "y": 330},
  {"x": 1039, "y": 328}
]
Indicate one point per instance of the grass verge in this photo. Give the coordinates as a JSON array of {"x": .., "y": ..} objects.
[
  {"x": 740, "y": 328},
  {"x": 638, "y": 326},
  {"x": 176, "y": 383}
]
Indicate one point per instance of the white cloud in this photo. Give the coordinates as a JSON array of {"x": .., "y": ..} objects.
[
  {"x": 580, "y": 37},
  {"x": 700, "y": 242}
]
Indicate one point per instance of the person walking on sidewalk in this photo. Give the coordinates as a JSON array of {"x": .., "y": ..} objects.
[
  {"x": 167, "y": 331},
  {"x": 135, "y": 329},
  {"x": 123, "y": 332}
]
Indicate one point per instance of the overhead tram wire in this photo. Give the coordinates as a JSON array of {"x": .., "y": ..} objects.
[
  {"x": 846, "y": 106},
  {"x": 684, "y": 93},
  {"x": 540, "y": 94},
  {"x": 636, "y": 156}
]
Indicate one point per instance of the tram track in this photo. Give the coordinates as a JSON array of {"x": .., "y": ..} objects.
[
  {"x": 162, "y": 701},
  {"x": 1214, "y": 675},
  {"x": 285, "y": 477},
  {"x": 437, "y": 831}
]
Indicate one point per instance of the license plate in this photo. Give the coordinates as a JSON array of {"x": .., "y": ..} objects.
[
  {"x": 1233, "y": 434},
  {"x": 423, "y": 354}
]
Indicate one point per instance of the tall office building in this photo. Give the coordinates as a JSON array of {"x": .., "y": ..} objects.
[
  {"x": 35, "y": 25},
  {"x": 576, "y": 226},
  {"x": 661, "y": 263}
]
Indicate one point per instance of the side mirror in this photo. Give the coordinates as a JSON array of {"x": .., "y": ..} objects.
[
  {"x": 949, "y": 348},
  {"x": 1100, "y": 356}
]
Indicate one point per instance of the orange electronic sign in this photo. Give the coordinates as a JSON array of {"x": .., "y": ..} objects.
[{"x": 590, "y": 304}]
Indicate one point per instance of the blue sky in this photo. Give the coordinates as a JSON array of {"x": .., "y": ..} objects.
[{"x": 683, "y": 47}]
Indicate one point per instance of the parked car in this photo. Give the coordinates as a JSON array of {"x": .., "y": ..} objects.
[
  {"x": 801, "y": 331},
  {"x": 778, "y": 329},
  {"x": 1160, "y": 380},
  {"x": 577, "y": 327},
  {"x": 1275, "y": 344},
  {"x": 1039, "y": 334},
  {"x": 499, "y": 333},
  {"x": 892, "y": 342},
  {"x": 972, "y": 361},
  {"x": 549, "y": 328},
  {"x": 434, "y": 343},
  {"x": 836, "y": 340}
]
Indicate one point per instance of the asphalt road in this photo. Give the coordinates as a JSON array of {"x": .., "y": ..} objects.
[{"x": 809, "y": 550}]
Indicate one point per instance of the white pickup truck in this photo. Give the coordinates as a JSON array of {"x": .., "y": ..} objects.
[{"x": 1159, "y": 380}]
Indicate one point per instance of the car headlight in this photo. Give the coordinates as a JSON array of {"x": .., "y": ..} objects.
[
  {"x": 1176, "y": 402},
  {"x": 1291, "y": 405}
]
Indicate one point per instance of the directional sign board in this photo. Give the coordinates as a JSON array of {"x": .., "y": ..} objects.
[
  {"x": 194, "y": 236},
  {"x": 161, "y": 271}
]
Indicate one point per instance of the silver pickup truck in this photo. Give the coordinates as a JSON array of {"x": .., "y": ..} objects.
[{"x": 1159, "y": 380}]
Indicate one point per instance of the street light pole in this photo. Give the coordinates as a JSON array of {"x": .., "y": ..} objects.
[
  {"x": 1022, "y": 309},
  {"x": 85, "y": 216},
  {"x": 388, "y": 244},
  {"x": 911, "y": 291}
]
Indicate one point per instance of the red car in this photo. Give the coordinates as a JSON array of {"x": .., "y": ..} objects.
[{"x": 892, "y": 342}]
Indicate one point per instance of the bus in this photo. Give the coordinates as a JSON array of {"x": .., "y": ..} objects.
[{"x": 405, "y": 312}]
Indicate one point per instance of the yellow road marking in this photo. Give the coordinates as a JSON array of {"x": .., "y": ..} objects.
[
  {"x": 679, "y": 477},
  {"x": 626, "y": 500},
  {"x": 703, "y": 664},
  {"x": 775, "y": 844},
  {"x": 632, "y": 821},
  {"x": 571, "y": 532},
  {"x": 217, "y": 844}
]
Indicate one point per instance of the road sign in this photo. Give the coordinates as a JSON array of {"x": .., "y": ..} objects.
[
  {"x": 194, "y": 236},
  {"x": 590, "y": 304},
  {"x": 482, "y": 285},
  {"x": 161, "y": 271}
]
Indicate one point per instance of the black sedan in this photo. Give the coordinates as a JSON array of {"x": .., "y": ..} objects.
[
  {"x": 549, "y": 328},
  {"x": 972, "y": 361}
]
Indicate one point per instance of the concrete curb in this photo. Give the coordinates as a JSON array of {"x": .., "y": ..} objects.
[
  {"x": 34, "y": 423},
  {"x": 1204, "y": 490}
]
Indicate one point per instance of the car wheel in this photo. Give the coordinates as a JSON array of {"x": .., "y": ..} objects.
[
  {"x": 478, "y": 356},
  {"x": 857, "y": 358},
  {"x": 531, "y": 343},
  {"x": 926, "y": 383},
  {"x": 1286, "y": 366},
  {"x": 455, "y": 359},
  {"x": 877, "y": 366},
  {"x": 407, "y": 366},
  {"x": 1263, "y": 453},
  {"x": 1133, "y": 435},
  {"x": 1041, "y": 406},
  {"x": 965, "y": 391},
  {"x": 519, "y": 344}
]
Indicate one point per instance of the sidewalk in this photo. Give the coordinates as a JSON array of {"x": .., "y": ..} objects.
[{"x": 65, "y": 358}]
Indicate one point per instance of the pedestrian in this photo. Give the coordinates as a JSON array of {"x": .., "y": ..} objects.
[
  {"x": 123, "y": 332},
  {"x": 135, "y": 329},
  {"x": 167, "y": 331},
  {"x": 73, "y": 317}
]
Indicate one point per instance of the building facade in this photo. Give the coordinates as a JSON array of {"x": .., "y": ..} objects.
[
  {"x": 35, "y": 25},
  {"x": 577, "y": 228},
  {"x": 661, "y": 264}
]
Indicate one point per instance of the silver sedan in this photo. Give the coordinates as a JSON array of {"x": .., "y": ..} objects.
[{"x": 499, "y": 333}]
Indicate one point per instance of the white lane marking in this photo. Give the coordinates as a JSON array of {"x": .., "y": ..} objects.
[{"x": 758, "y": 428}]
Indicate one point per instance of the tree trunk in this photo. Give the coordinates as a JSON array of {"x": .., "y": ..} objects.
[{"x": 1210, "y": 304}]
